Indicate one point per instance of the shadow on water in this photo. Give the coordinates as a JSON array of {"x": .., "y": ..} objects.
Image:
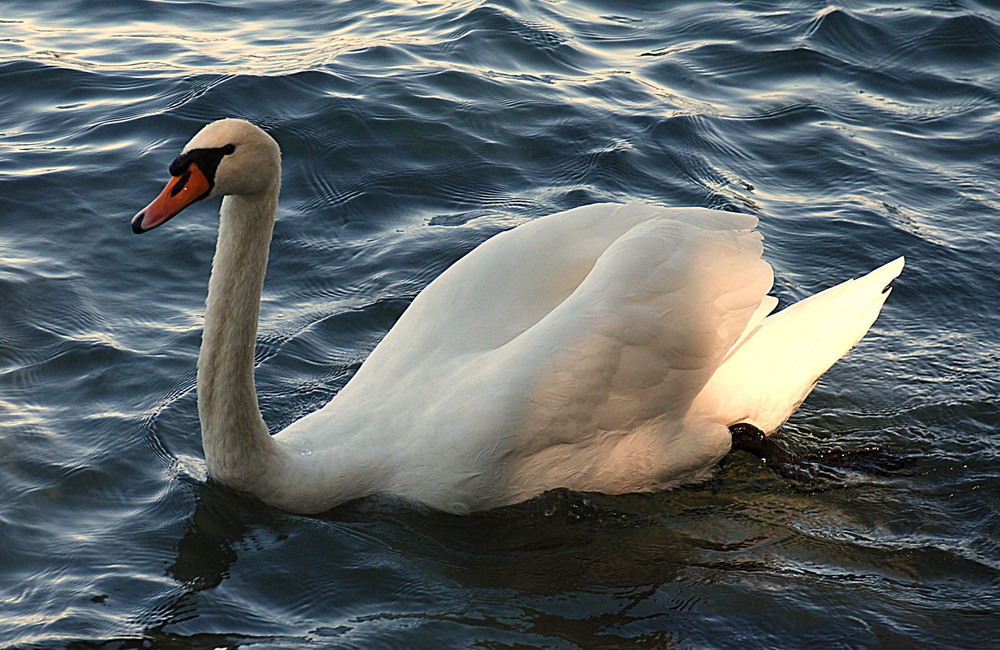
[
  {"x": 538, "y": 567},
  {"x": 207, "y": 550},
  {"x": 205, "y": 554},
  {"x": 563, "y": 569}
]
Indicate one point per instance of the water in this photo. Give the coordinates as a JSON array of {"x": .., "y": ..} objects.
[{"x": 411, "y": 132}]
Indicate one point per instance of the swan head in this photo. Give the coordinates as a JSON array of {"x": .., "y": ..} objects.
[{"x": 227, "y": 157}]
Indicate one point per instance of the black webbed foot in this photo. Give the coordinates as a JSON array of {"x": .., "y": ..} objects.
[{"x": 833, "y": 464}]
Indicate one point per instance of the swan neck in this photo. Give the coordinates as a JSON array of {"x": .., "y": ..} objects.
[{"x": 238, "y": 448}]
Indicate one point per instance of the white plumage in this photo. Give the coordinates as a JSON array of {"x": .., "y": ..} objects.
[{"x": 606, "y": 348}]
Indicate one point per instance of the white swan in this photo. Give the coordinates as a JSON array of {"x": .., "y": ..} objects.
[{"x": 606, "y": 348}]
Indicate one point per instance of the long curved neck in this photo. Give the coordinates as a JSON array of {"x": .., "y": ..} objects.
[{"x": 238, "y": 449}]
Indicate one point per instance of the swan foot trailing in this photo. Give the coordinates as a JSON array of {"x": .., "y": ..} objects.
[
  {"x": 807, "y": 468},
  {"x": 608, "y": 348}
]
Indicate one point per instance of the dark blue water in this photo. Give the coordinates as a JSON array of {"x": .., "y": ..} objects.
[{"x": 411, "y": 132}]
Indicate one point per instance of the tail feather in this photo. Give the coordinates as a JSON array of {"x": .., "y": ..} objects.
[{"x": 775, "y": 366}]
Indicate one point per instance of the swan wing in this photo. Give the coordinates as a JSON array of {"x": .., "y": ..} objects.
[
  {"x": 486, "y": 299},
  {"x": 501, "y": 289},
  {"x": 629, "y": 350}
]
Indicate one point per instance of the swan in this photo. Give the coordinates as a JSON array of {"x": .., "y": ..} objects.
[{"x": 608, "y": 348}]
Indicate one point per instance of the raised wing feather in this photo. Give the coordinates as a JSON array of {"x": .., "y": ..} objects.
[
  {"x": 502, "y": 288},
  {"x": 644, "y": 331}
]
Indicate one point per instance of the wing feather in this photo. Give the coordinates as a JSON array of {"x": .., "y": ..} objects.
[{"x": 645, "y": 329}]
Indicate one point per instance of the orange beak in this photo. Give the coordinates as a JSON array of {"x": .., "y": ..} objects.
[{"x": 180, "y": 192}]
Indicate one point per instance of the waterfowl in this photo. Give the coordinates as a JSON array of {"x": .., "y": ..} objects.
[{"x": 609, "y": 348}]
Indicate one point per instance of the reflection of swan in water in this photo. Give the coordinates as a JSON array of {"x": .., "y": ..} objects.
[
  {"x": 607, "y": 348},
  {"x": 550, "y": 545}
]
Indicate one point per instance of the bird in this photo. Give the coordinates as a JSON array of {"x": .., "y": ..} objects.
[{"x": 611, "y": 348}]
